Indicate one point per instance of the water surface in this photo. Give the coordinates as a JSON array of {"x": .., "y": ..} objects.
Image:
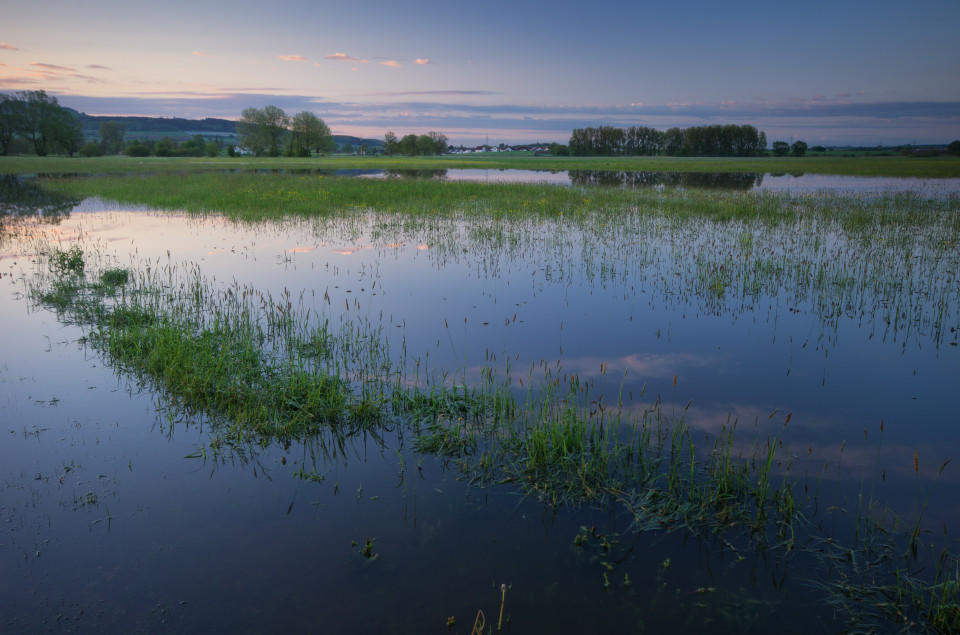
[
  {"x": 743, "y": 181},
  {"x": 115, "y": 517}
]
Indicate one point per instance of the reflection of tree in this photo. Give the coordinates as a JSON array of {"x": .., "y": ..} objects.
[
  {"x": 25, "y": 198},
  {"x": 416, "y": 174},
  {"x": 704, "y": 180}
]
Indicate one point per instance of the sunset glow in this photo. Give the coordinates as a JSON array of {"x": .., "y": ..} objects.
[{"x": 824, "y": 73}]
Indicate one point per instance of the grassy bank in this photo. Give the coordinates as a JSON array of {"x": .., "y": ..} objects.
[{"x": 936, "y": 167}]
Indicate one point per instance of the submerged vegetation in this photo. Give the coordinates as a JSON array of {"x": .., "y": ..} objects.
[{"x": 269, "y": 369}]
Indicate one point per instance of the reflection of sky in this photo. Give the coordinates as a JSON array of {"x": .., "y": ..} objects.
[
  {"x": 461, "y": 309},
  {"x": 458, "y": 310},
  {"x": 858, "y": 184},
  {"x": 801, "y": 183}
]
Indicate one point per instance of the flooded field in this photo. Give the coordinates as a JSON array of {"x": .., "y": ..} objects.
[
  {"x": 743, "y": 181},
  {"x": 703, "y": 411}
]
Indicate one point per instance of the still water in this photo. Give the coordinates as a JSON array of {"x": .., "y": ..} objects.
[
  {"x": 113, "y": 518},
  {"x": 742, "y": 181}
]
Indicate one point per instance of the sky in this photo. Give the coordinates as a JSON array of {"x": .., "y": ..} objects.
[{"x": 832, "y": 73}]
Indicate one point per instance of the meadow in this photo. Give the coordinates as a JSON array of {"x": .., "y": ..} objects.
[
  {"x": 918, "y": 167},
  {"x": 689, "y": 371}
]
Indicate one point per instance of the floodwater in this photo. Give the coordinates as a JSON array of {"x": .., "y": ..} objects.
[
  {"x": 742, "y": 181},
  {"x": 113, "y": 518}
]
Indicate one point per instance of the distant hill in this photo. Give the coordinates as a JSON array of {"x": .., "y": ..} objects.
[
  {"x": 341, "y": 139},
  {"x": 182, "y": 129},
  {"x": 160, "y": 126}
]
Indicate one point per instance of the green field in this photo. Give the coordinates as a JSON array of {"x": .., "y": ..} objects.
[{"x": 938, "y": 167}]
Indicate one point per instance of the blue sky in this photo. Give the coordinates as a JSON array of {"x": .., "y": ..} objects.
[{"x": 827, "y": 72}]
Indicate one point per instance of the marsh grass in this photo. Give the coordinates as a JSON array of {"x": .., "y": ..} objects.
[
  {"x": 257, "y": 196},
  {"x": 872, "y": 591},
  {"x": 114, "y": 276},
  {"x": 67, "y": 262}
]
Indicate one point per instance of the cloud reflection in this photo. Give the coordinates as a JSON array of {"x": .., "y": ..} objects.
[{"x": 347, "y": 251}]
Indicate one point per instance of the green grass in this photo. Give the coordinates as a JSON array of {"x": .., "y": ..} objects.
[
  {"x": 255, "y": 197},
  {"x": 70, "y": 261},
  {"x": 115, "y": 276},
  {"x": 941, "y": 167},
  {"x": 222, "y": 371}
]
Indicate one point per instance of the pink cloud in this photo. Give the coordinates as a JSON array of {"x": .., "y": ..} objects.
[
  {"x": 200, "y": 54},
  {"x": 343, "y": 57},
  {"x": 87, "y": 78},
  {"x": 422, "y": 61},
  {"x": 8, "y": 47},
  {"x": 97, "y": 66},
  {"x": 52, "y": 67},
  {"x": 292, "y": 58},
  {"x": 19, "y": 82},
  {"x": 391, "y": 64}
]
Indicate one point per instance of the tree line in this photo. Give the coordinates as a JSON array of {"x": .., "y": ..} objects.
[
  {"x": 112, "y": 141},
  {"x": 36, "y": 119},
  {"x": 268, "y": 131},
  {"x": 159, "y": 126},
  {"x": 415, "y": 145},
  {"x": 718, "y": 140}
]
